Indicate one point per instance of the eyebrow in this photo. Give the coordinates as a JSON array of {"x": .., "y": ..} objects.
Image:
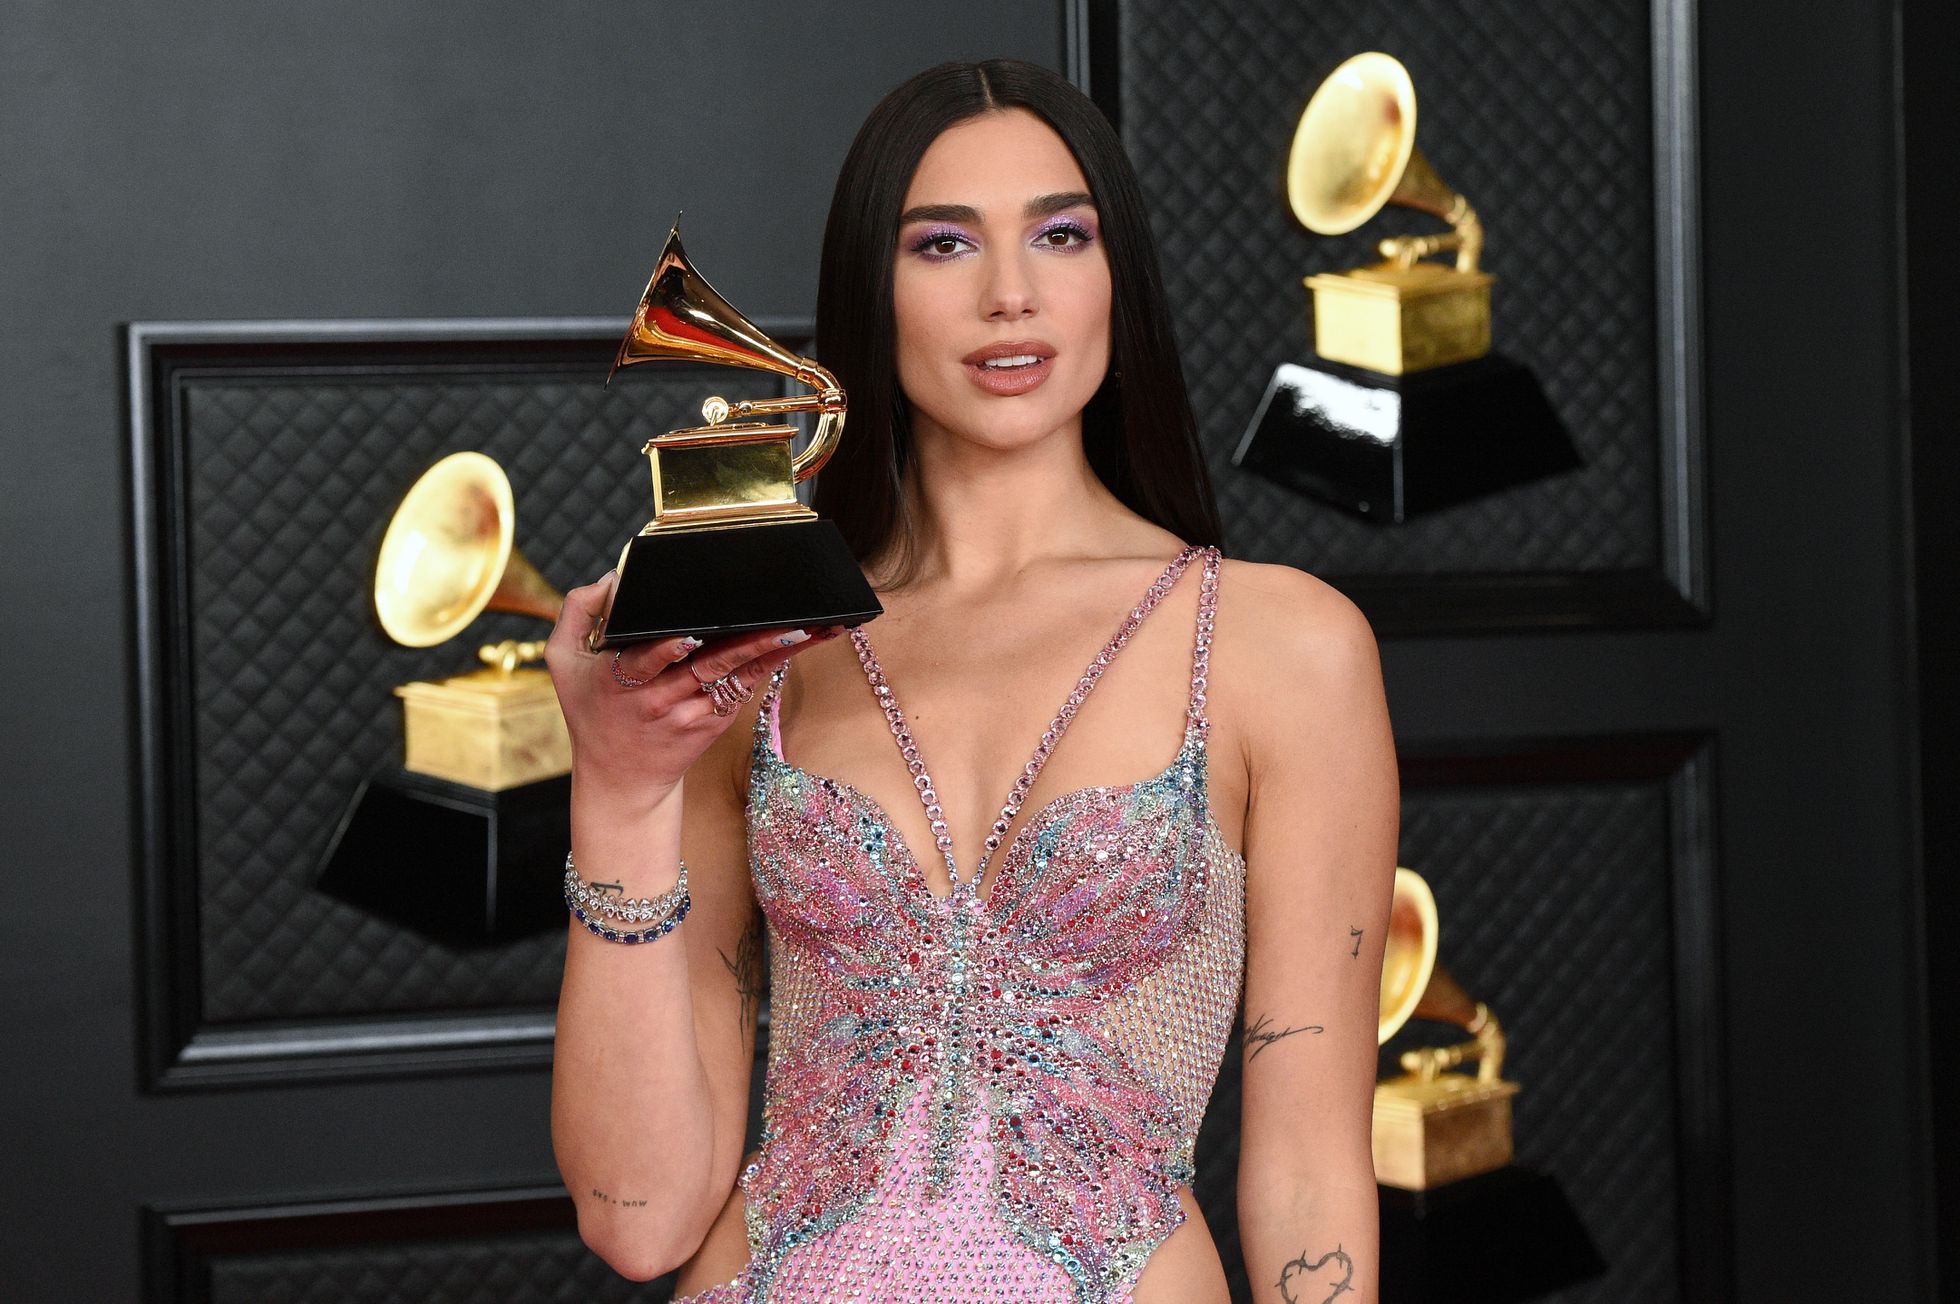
[{"x": 1039, "y": 206}]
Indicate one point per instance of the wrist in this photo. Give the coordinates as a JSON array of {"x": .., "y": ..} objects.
[{"x": 622, "y": 800}]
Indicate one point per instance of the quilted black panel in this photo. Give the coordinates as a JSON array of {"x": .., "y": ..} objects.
[
  {"x": 1540, "y": 113},
  {"x": 1556, "y": 910},
  {"x": 538, "y": 1268},
  {"x": 290, "y": 482},
  {"x": 1555, "y": 904}
]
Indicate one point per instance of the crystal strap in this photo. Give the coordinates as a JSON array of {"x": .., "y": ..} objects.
[
  {"x": 1201, "y": 649},
  {"x": 922, "y": 781}
]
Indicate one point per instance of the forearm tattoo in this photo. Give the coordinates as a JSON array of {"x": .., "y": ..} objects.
[
  {"x": 1262, "y": 1034},
  {"x": 604, "y": 1198},
  {"x": 747, "y": 968},
  {"x": 1303, "y": 1281}
]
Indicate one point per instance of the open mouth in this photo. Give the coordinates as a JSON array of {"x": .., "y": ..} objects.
[{"x": 1011, "y": 367}]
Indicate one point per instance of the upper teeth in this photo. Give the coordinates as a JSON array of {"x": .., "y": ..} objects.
[{"x": 1018, "y": 360}]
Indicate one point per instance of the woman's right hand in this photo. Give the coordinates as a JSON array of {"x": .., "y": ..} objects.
[{"x": 632, "y": 745}]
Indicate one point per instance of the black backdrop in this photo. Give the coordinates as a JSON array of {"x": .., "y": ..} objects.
[{"x": 226, "y": 161}]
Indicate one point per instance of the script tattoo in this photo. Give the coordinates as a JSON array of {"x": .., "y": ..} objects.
[
  {"x": 747, "y": 969},
  {"x": 1261, "y": 1034},
  {"x": 1355, "y": 933},
  {"x": 1294, "y": 1276},
  {"x": 603, "y": 1198}
]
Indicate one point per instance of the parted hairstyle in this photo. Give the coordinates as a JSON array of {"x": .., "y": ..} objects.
[{"x": 1137, "y": 430}]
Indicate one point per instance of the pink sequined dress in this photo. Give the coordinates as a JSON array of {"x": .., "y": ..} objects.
[{"x": 993, "y": 1096}]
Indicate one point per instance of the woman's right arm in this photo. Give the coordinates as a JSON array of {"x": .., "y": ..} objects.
[{"x": 649, "y": 1088}]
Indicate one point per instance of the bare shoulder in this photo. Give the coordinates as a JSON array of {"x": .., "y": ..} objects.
[
  {"x": 1282, "y": 622},
  {"x": 1292, "y": 656}
]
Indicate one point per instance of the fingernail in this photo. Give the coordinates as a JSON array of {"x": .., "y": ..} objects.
[{"x": 792, "y": 638}]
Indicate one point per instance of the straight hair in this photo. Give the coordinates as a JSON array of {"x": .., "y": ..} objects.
[{"x": 1138, "y": 432}]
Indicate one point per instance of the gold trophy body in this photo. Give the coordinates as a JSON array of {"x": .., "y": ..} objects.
[
  {"x": 447, "y": 557},
  {"x": 1433, "y": 1126},
  {"x": 1353, "y": 154},
  {"x": 730, "y": 547}
]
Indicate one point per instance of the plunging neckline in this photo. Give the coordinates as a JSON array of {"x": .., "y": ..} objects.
[
  {"x": 1043, "y": 815},
  {"x": 972, "y": 885}
]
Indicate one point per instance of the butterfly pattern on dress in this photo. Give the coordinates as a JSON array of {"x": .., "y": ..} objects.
[{"x": 1080, "y": 1007}]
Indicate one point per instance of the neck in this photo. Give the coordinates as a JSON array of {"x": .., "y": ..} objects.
[{"x": 982, "y": 514}]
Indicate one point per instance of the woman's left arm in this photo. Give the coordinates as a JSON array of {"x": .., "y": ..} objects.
[{"x": 1322, "y": 821}]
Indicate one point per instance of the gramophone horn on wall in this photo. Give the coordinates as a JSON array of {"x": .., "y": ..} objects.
[
  {"x": 1433, "y": 1125},
  {"x": 465, "y": 842},
  {"x": 1405, "y": 409},
  {"x": 446, "y": 558}
]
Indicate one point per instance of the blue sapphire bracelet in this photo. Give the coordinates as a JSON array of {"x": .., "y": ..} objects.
[{"x": 593, "y": 907}]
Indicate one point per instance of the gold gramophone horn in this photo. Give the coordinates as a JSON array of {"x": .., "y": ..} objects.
[
  {"x": 1410, "y": 955},
  {"x": 1414, "y": 986},
  {"x": 1355, "y": 152},
  {"x": 447, "y": 557}
]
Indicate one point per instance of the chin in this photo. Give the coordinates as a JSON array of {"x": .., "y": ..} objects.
[{"x": 1008, "y": 423}]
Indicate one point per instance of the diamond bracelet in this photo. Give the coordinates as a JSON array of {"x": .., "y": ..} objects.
[{"x": 587, "y": 903}]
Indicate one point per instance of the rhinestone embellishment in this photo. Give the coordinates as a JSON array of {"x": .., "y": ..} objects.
[{"x": 987, "y": 1097}]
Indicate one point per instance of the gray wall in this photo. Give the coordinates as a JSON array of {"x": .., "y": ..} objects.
[
  {"x": 237, "y": 160},
  {"x": 241, "y": 160}
]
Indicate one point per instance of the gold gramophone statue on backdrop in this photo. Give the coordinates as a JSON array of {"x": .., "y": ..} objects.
[
  {"x": 1405, "y": 409},
  {"x": 1433, "y": 1125},
  {"x": 730, "y": 547},
  {"x": 1459, "y": 1219},
  {"x": 446, "y": 558},
  {"x": 1354, "y": 152},
  {"x": 464, "y": 842}
]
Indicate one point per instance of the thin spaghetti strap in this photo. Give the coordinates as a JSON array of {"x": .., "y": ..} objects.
[
  {"x": 769, "y": 718},
  {"x": 1201, "y": 649}
]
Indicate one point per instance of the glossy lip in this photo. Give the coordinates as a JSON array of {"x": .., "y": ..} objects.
[
  {"x": 1010, "y": 348},
  {"x": 1006, "y": 384}
]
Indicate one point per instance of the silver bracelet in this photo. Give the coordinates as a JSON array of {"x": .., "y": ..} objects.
[{"x": 660, "y": 913}]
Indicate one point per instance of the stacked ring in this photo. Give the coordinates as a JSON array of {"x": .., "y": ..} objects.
[{"x": 726, "y": 693}]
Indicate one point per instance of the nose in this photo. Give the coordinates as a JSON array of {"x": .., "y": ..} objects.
[{"x": 1009, "y": 291}]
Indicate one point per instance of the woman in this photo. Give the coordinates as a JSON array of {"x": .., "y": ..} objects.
[{"x": 993, "y": 1036}]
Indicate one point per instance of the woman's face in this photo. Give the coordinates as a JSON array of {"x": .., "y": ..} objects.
[{"x": 1000, "y": 286}]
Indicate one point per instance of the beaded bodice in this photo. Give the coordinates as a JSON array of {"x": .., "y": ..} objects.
[{"x": 1042, "y": 1052}]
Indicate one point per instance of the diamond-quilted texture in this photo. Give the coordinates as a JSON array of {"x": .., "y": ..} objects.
[
  {"x": 290, "y": 482},
  {"x": 1556, "y": 909},
  {"x": 537, "y": 1268},
  {"x": 1540, "y": 113}
]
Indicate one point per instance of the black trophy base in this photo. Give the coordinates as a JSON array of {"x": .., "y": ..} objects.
[
  {"x": 457, "y": 864},
  {"x": 1390, "y": 447},
  {"x": 712, "y": 583},
  {"x": 1498, "y": 1238}
]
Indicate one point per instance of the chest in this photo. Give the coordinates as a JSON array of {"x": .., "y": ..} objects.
[{"x": 958, "y": 741}]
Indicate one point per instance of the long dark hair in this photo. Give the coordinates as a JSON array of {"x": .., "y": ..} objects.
[{"x": 1137, "y": 431}]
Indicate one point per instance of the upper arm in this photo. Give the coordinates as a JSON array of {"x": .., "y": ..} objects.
[
  {"x": 724, "y": 933},
  {"x": 1322, "y": 823}
]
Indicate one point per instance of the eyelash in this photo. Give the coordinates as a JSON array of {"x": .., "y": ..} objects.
[{"x": 923, "y": 245}]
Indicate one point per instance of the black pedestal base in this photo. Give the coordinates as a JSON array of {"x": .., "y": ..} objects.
[
  {"x": 1389, "y": 447},
  {"x": 457, "y": 864},
  {"x": 713, "y": 583},
  {"x": 1499, "y": 1238}
]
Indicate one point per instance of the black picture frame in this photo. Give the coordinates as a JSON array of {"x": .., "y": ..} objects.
[{"x": 1676, "y": 590}]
